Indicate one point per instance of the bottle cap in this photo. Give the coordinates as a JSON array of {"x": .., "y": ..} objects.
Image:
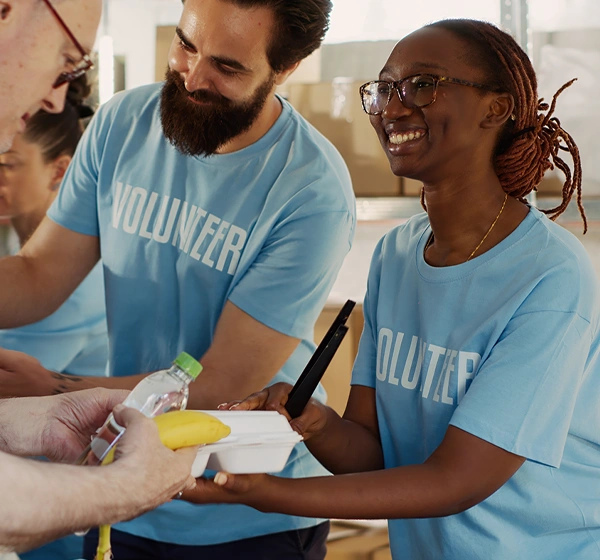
[{"x": 188, "y": 364}]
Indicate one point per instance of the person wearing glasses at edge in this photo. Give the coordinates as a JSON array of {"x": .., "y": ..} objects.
[
  {"x": 472, "y": 421},
  {"x": 40, "y": 500},
  {"x": 73, "y": 339},
  {"x": 222, "y": 217}
]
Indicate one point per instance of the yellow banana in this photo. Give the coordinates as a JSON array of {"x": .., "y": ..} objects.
[
  {"x": 179, "y": 428},
  {"x": 182, "y": 428}
]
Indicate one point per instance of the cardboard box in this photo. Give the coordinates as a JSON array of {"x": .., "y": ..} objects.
[{"x": 334, "y": 109}]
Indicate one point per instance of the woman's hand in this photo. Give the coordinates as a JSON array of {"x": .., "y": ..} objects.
[
  {"x": 227, "y": 488},
  {"x": 311, "y": 422}
]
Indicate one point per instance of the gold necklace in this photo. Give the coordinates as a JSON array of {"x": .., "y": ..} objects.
[{"x": 430, "y": 240}]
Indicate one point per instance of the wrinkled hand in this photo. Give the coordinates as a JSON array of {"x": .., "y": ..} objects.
[
  {"x": 22, "y": 375},
  {"x": 311, "y": 422},
  {"x": 73, "y": 418},
  {"x": 155, "y": 472}
]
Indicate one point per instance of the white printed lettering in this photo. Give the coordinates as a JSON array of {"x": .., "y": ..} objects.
[
  {"x": 233, "y": 246},
  {"x": 131, "y": 220},
  {"x": 467, "y": 366},
  {"x": 164, "y": 237},
  {"x": 206, "y": 229},
  {"x": 436, "y": 352},
  {"x": 384, "y": 345},
  {"x": 119, "y": 203},
  {"x": 147, "y": 215}
]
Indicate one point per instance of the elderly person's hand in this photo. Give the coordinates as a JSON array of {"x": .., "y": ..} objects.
[{"x": 58, "y": 427}]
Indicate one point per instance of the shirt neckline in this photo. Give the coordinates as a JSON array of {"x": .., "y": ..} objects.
[{"x": 455, "y": 272}]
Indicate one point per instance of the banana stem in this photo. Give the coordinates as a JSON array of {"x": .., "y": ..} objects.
[{"x": 103, "y": 551}]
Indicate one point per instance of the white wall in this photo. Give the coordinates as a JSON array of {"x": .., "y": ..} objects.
[
  {"x": 132, "y": 23},
  {"x": 561, "y": 15},
  {"x": 370, "y": 20}
]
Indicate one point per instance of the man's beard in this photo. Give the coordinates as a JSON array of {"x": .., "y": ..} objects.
[{"x": 200, "y": 130}]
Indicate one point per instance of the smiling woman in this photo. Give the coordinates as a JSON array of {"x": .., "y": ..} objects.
[{"x": 478, "y": 373}]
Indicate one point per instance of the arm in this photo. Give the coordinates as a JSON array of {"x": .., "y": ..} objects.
[
  {"x": 463, "y": 471},
  {"x": 43, "y": 501},
  {"x": 342, "y": 445},
  {"x": 35, "y": 282},
  {"x": 243, "y": 357},
  {"x": 56, "y": 427}
]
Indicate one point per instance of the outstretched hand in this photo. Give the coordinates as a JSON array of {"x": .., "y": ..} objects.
[{"x": 226, "y": 488}]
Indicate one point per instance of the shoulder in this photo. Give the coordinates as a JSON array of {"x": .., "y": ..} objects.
[
  {"x": 312, "y": 145},
  {"x": 564, "y": 273},
  {"x": 399, "y": 242},
  {"x": 406, "y": 235},
  {"x": 311, "y": 173},
  {"x": 132, "y": 104}
]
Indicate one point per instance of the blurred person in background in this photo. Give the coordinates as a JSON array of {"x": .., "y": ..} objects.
[{"x": 73, "y": 339}]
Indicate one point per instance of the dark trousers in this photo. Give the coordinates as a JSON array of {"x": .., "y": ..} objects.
[{"x": 301, "y": 544}]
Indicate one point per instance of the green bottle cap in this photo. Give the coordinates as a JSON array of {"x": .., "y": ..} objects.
[{"x": 188, "y": 364}]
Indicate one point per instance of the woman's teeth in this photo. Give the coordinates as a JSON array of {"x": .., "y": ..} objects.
[{"x": 407, "y": 137}]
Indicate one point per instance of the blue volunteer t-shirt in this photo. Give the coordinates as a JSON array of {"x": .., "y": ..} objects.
[
  {"x": 266, "y": 228},
  {"x": 73, "y": 339},
  {"x": 505, "y": 347}
]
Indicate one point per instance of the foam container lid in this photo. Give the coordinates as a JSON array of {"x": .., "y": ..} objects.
[{"x": 260, "y": 442}]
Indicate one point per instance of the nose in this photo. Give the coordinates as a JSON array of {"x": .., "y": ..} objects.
[
  {"x": 196, "y": 77},
  {"x": 192, "y": 68},
  {"x": 395, "y": 108},
  {"x": 54, "y": 102}
]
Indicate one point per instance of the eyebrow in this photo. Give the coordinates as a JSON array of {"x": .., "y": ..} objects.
[
  {"x": 224, "y": 60},
  {"x": 417, "y": 67}
]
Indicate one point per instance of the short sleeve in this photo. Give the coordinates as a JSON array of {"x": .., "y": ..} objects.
[
  {"x": 288, "y": 282},
  {"x": 76, "y": 206},
  {"x": 523, "y": 396},
  {"x": 363, "y": 372}
]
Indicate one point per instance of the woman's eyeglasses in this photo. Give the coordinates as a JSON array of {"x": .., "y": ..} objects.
[
  {"x": 415, "y": 91},
  {"x": 81, "y": 67}
]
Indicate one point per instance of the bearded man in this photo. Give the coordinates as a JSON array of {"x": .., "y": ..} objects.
[{"x": 222, "y": 218}]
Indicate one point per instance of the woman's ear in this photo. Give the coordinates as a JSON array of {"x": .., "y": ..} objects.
[
  {"x": 500, "y": 110},
  {"x": 59, "y": 168}
]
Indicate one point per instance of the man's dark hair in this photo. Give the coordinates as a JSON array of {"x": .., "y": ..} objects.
[{"x": 300, "y": 26}]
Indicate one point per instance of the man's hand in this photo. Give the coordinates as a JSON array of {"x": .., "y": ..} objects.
[
  {"x": 154, "y": 473},
  {"x": 72, "y": 420},
  {"x": 58, "y": 427},
  {"x": 22, "y": 375}
]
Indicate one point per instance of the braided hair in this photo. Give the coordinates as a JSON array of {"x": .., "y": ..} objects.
[
  {"x": 532, "y": 139},
  {"x": 58, "y": 134}
]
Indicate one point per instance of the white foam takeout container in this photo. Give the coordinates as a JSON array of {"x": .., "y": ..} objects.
[{"x": 260, "y": 442}]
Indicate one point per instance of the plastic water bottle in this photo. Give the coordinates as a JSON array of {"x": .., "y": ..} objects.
[{"x": 163, "y": 390}]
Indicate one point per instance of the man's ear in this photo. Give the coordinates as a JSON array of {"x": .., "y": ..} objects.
[
  {"x": 282, "y": 76},
  {"x": 501, "y": 108}
]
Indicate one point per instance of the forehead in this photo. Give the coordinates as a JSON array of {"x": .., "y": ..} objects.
[
  {"x": 430, "y": 49},
  {"x": 224, "y": 28},
  {"x": 82, "y": 17}
]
